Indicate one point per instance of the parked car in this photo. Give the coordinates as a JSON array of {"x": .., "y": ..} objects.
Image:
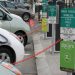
[
  {"x": 8, "y": 69},
  {"x": 15, "y": 24},
  {"x": 22, "y": 5},
  {"x": 25, "y": 14},
  {"x": 11, "y": 49}
]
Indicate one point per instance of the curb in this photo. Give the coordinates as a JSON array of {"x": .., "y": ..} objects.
[{"x": 41, "y": 63}]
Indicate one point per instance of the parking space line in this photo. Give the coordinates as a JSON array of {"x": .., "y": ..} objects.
[{"x": 27, "y": 54}]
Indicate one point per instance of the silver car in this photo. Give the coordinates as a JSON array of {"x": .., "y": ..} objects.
[{"x": 13, "y": 8}]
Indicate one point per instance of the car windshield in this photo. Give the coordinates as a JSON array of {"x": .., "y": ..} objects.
[{"x": 4, "y": 8}]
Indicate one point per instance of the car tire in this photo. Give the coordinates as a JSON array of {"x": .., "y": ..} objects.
[
  {"x": 24, "y": 36},
  {"x": 26, "y": 17},
  {"x": 6, "y": 55}
]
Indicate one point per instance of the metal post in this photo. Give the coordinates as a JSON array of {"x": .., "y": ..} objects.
[
  {"x": 44, "y": 36},
  {"x": 53, "y": 39},
  {"x": 39, "y": 15},
  {"x": 33, "y": 7},
  {"x": 69, "y": 73},
  {"x": 73, "y": 73},
  {"x": 57, "y": 47}
]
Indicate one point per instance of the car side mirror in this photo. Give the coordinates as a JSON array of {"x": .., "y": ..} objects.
[{"x": 4, "y": 17}]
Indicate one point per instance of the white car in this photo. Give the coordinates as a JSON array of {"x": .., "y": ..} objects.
[
  {"x": 15, "y": 24},
  {"x": 8, "y": 69},
  {"x": 11, "y": 49}
]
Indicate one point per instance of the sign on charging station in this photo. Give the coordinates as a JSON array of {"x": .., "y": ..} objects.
[
  {"x": 51, "y": 19},
  {"x": 67, "y": 33},
  {"x": 44, "y": 16},
  {"x": 44, "y": 1},
  {"x": 51, "y": 23},
  {"x": 52, "y": 13}
]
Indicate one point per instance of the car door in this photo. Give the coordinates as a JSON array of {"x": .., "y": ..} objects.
[{"x": 5, "y": 22}]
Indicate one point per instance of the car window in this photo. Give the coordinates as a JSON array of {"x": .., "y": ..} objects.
[
  {"x": 9, "y": 18},
  {"x": 4, "y": 9},
  {"x": 2, "y": 15},
  {"x": 2, "y": 3},
  {"x": 10, "y": 5}
]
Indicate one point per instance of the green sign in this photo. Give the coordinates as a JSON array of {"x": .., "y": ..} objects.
[
  {"x": 44, "y": 8},
  {"x": 44, "y": 1},
  {"x": 52, "y": 10},
  {"x": 67, "y": 46},
  {"x": 67, "y": 17},
  {"x": 67, "y": 55}
]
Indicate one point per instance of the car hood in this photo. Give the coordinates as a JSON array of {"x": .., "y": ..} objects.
[
  {"x": 15, "y": 16},
  {"x": 21, "y": 22}
]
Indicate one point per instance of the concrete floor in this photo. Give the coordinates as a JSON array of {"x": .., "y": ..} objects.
[{"x": 28, "y": 67}]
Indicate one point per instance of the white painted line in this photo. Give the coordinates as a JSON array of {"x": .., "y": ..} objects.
[{"x": 26, "y": 54}]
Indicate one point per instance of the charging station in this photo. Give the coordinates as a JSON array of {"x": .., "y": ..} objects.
[{"x": 67, "y": 34}]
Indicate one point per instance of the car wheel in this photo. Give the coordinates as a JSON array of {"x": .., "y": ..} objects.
[
  {"x": 6, "y": 55},
  {"x": 26, "y": 17},
  {"x": 22, "y": 37}
]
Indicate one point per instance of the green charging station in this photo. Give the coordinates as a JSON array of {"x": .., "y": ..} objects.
[
  {"x": 67, "y": 56},
  {"x": 52, "y": 10},
  {"x": 67, "y": 34}
]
